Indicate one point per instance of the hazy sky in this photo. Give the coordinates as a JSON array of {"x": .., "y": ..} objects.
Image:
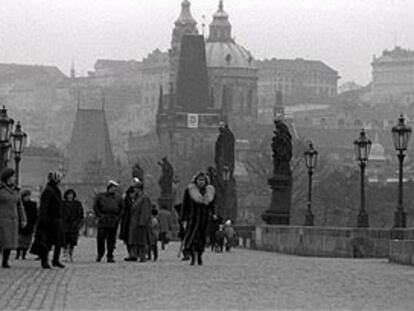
[{"x": 343, "y": 33}]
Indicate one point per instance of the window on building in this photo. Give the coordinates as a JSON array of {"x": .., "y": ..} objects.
[
  {"x": 341, "y": 123},
  {"x": 358, "y": 123}
]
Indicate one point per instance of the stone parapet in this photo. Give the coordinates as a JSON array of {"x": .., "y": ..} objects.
[
  {"x": 402, "y": 251},
  {"x": 328, "y": 242}
]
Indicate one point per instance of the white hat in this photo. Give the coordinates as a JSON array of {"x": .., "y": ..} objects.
[
  {"x": 228, "y": 222},
  {"x": 112, "y": 183}
]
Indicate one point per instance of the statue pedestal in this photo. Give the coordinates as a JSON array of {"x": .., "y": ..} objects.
[{"x": 279, "y": 211}]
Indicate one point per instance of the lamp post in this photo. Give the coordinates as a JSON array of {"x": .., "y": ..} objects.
[
  {"x": 311, "y": 160},
  {"x": 362, "y": 148},
  {"x": 6, "y": 125},
  {"x": 226, "y": 177},
  {"x": 401, "y": 134},
  {"x": 19, "y": 139}
]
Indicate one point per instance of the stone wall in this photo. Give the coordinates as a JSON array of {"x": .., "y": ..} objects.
[
  {"x": 328, "y": 242},
  {"x": 402, "y": 251}
]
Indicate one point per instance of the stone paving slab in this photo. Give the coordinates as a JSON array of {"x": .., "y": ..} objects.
[{"x": 239, "y": 280}]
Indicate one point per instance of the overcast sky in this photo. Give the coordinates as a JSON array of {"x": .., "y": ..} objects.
[{"x": 343, "y": 33}]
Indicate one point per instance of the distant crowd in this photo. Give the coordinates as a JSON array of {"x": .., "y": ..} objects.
[{"x": 140, "y": 224}]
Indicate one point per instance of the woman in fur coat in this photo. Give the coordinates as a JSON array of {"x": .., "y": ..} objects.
[{"x": 197, "y": 208}]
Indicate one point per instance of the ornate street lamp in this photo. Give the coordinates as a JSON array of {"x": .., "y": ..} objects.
[
  {"x": 362, "y": 148},
  {"x": 401, "y": 134},
  {"x": 311, "y": 160},
  {"x": 6, "y": 126},
  {"x": 19, "y": 139}
]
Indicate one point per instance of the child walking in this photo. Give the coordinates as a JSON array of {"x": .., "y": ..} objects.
[{"x": 153, "y": 235}]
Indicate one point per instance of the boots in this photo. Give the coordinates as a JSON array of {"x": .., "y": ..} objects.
[
  {"x": 6, "y": 256},
  {"x": 192, "y": 262},
  {"x": 199, "y": 258},
  {"x": 56, "y": 255},
  {"x": 44, "y": 261},
  {"x": 24, "y": 252},
  {"x": 18, "y": 254}
]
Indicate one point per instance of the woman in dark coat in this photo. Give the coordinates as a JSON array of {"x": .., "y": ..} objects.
[
  {"x": 26, "y": 233},
  {"x": 197, "y": 208},
  {"x": 12, "y": 215},
  {"x": 49, "y": 231},
  {"x": 72, "y": 221}
]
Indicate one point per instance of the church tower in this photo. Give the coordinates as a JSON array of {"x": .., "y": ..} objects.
[
  {"x": 220, "y": 27},
  {"x": 185, "y": 24}
]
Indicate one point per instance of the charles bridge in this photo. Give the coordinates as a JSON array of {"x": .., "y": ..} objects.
[{"x": 240, "y": 279}]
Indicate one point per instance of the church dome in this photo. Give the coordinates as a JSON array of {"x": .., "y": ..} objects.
[
  {"x": 221, "y": 49},
  {"x": 228, "y": 54}
]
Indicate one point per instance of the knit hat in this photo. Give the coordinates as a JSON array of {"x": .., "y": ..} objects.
[
  {"x": 55, "y": 176},
  {"x": 6, "y": 173}
]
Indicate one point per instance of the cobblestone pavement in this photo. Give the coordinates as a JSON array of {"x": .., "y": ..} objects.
[{"x": 240, "y": 279}]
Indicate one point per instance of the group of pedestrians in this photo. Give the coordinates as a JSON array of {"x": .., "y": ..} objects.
[
  {"x": 141, "y": 224},
  {"x": 57, "y": 223}
]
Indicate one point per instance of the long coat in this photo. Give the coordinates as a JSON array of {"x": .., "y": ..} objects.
[
  {"x": 196, "y": 210},
  {"x": 12, "y": 216},
  {"x": 138, "y": 233},
  {"x": 126, "y": 217},
  {"x": 72, "y": 220},
  {"x": 26, "y": 233},
  {"x": 49, "y": 229}
]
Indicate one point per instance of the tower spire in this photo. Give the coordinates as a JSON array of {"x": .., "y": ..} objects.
[{"x": 220, "y": 27}]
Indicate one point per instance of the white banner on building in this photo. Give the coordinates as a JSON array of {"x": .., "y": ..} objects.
[{"x": 192, "y": 120}]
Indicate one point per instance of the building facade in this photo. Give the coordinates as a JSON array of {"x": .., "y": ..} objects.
[
  {"x": 393, "y": 77},
  {"x": 300, "y": 81}
]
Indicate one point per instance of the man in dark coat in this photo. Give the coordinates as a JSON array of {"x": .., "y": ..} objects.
[
  {"x": 139, "y": 225},
  {"x": 49, "y": 231},
  {"x": 198, "y": 206},
  {"x": 108, "y": 208}
]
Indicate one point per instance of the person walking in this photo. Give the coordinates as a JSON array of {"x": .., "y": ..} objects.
[
  {"x": 229, "y": 234},
  {"x": 153, "y": 236},
  {"x": 108, "y": 208},
  {"x": 198, "y": 206},
  {"x": 26, "y": 233},
  {"x": 12, "y": 215},
  {"x": 213, "y": 227},
  {"x": 72, "y": 221},
  {"x": 165, "y": 220},
  {"x": 181, "y": 233},
  {"x": 49, "y": 231},
  {"x": 138, "y": 230},
  {"x": 129, "y": 200}
]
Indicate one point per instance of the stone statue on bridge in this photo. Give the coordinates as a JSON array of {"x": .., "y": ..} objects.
[{"x": 281, "y": 181}]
